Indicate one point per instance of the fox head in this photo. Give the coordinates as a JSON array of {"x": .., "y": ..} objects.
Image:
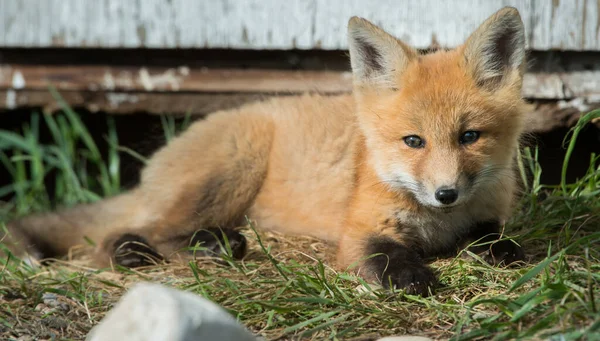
[{"x": 445, "y": 126}]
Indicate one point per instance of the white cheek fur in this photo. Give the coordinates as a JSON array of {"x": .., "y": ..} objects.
[{"x": 393, "y": 174}]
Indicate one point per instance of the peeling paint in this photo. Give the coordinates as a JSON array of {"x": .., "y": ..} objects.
[
  {"x": 108, "y": 82},
  {"x": 184, "y": 70},
  {"x": 125, "y": 79},
  {"x": 145, "y": 79},
  {"x": 18, "y": 81},
  {"x": 11, "y": 99},
  {"x": 116, "y": 99},
  {"x": 169, "y": 78}
]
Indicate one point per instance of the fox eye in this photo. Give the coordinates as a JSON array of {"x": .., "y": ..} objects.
[
  {"x": 469, "y": 137},
  {"x": 414, "y": 141}
]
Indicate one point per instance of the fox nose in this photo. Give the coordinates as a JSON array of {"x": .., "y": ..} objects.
[{"x": 446, "y": 195}]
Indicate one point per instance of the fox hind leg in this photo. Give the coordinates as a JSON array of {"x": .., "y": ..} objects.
[
  {"x": 203, "y": 199},
  {"x": 132, "y": 250}
]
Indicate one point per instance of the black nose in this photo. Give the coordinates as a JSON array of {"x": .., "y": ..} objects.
[{"x": 446, "y": 195}]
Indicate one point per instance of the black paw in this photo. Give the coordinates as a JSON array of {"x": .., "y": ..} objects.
[
  {"x": 210, "y": 242},
  {"x": 415, "y": 279},
  {"x": 133, "y": 251},
  {"x": 489, "y": 246},
  {"x": 503, "y": 253},
  {"x": 399, "y": 266}
]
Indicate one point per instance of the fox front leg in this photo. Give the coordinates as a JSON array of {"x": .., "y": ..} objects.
[
  {"x": 388, "y": 261},
  {"x": 494, "y": 251}
]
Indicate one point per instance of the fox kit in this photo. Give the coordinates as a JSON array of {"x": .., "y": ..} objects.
[{"x": 416, "y": 163}]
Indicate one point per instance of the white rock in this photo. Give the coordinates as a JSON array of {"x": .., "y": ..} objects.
[
  {"x": 405, "y": 338},
  {"x": 152, "y": 312}
]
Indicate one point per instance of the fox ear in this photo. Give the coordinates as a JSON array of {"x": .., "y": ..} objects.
[
  {"x": 497, "y": 49},
  {"x": 376, "y": 56}
]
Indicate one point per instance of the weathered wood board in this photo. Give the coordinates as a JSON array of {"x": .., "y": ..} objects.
[
  {"x": 180, "y": 79},
  {"x": 127, "y": 102},
  {"x": 277, "y": 24},
  {"x": 538, "y": 85}
]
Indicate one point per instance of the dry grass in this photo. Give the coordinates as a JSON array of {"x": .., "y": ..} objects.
[
  {"x": 66, "y": 299},
  {"x": 289, "y": 293}
]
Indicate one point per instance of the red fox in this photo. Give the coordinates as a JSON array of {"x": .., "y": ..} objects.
[{"x": 417, "y": 163}]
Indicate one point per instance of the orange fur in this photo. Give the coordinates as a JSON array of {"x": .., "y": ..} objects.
[{"x": 333, "y": 167}]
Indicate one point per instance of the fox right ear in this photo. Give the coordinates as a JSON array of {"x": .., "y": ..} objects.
[
  {"x": 495, "y": 52},
  {"x": 376, "y": 56}
]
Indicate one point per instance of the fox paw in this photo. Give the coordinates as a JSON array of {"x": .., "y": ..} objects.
[
  {"x": 399, "y": 266},
  {"x": 414, "y": 279},
  {"x": 133, "y": 251},
  {"x": 211, "y": 242},
  {"x": 503, "y": 253}
]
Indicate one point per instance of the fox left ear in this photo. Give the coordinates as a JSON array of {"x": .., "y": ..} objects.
[
  {"x": 495, "y": 52},
  {"x": 376, "y": 56}
]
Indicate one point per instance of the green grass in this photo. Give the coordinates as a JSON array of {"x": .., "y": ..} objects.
[{"x": 284, "y": 288}]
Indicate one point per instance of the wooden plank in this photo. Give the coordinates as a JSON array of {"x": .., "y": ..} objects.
[
  {"x": 562, "y": 85},
  {"x": 543, "y": 118},
  {"x": 171, "y": 79},
  {"x": 538, "y": 85},
  {"x": 126, "y": 102},
  {"x": 276, "y": 24}
]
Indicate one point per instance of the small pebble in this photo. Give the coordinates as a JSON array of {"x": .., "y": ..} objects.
[
  {"x": 54, "y": 301},
  {"x": 55, "y": 322}
]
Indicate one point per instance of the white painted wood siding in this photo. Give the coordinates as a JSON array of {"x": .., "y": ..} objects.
[{"x": 282, "y": 24}]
